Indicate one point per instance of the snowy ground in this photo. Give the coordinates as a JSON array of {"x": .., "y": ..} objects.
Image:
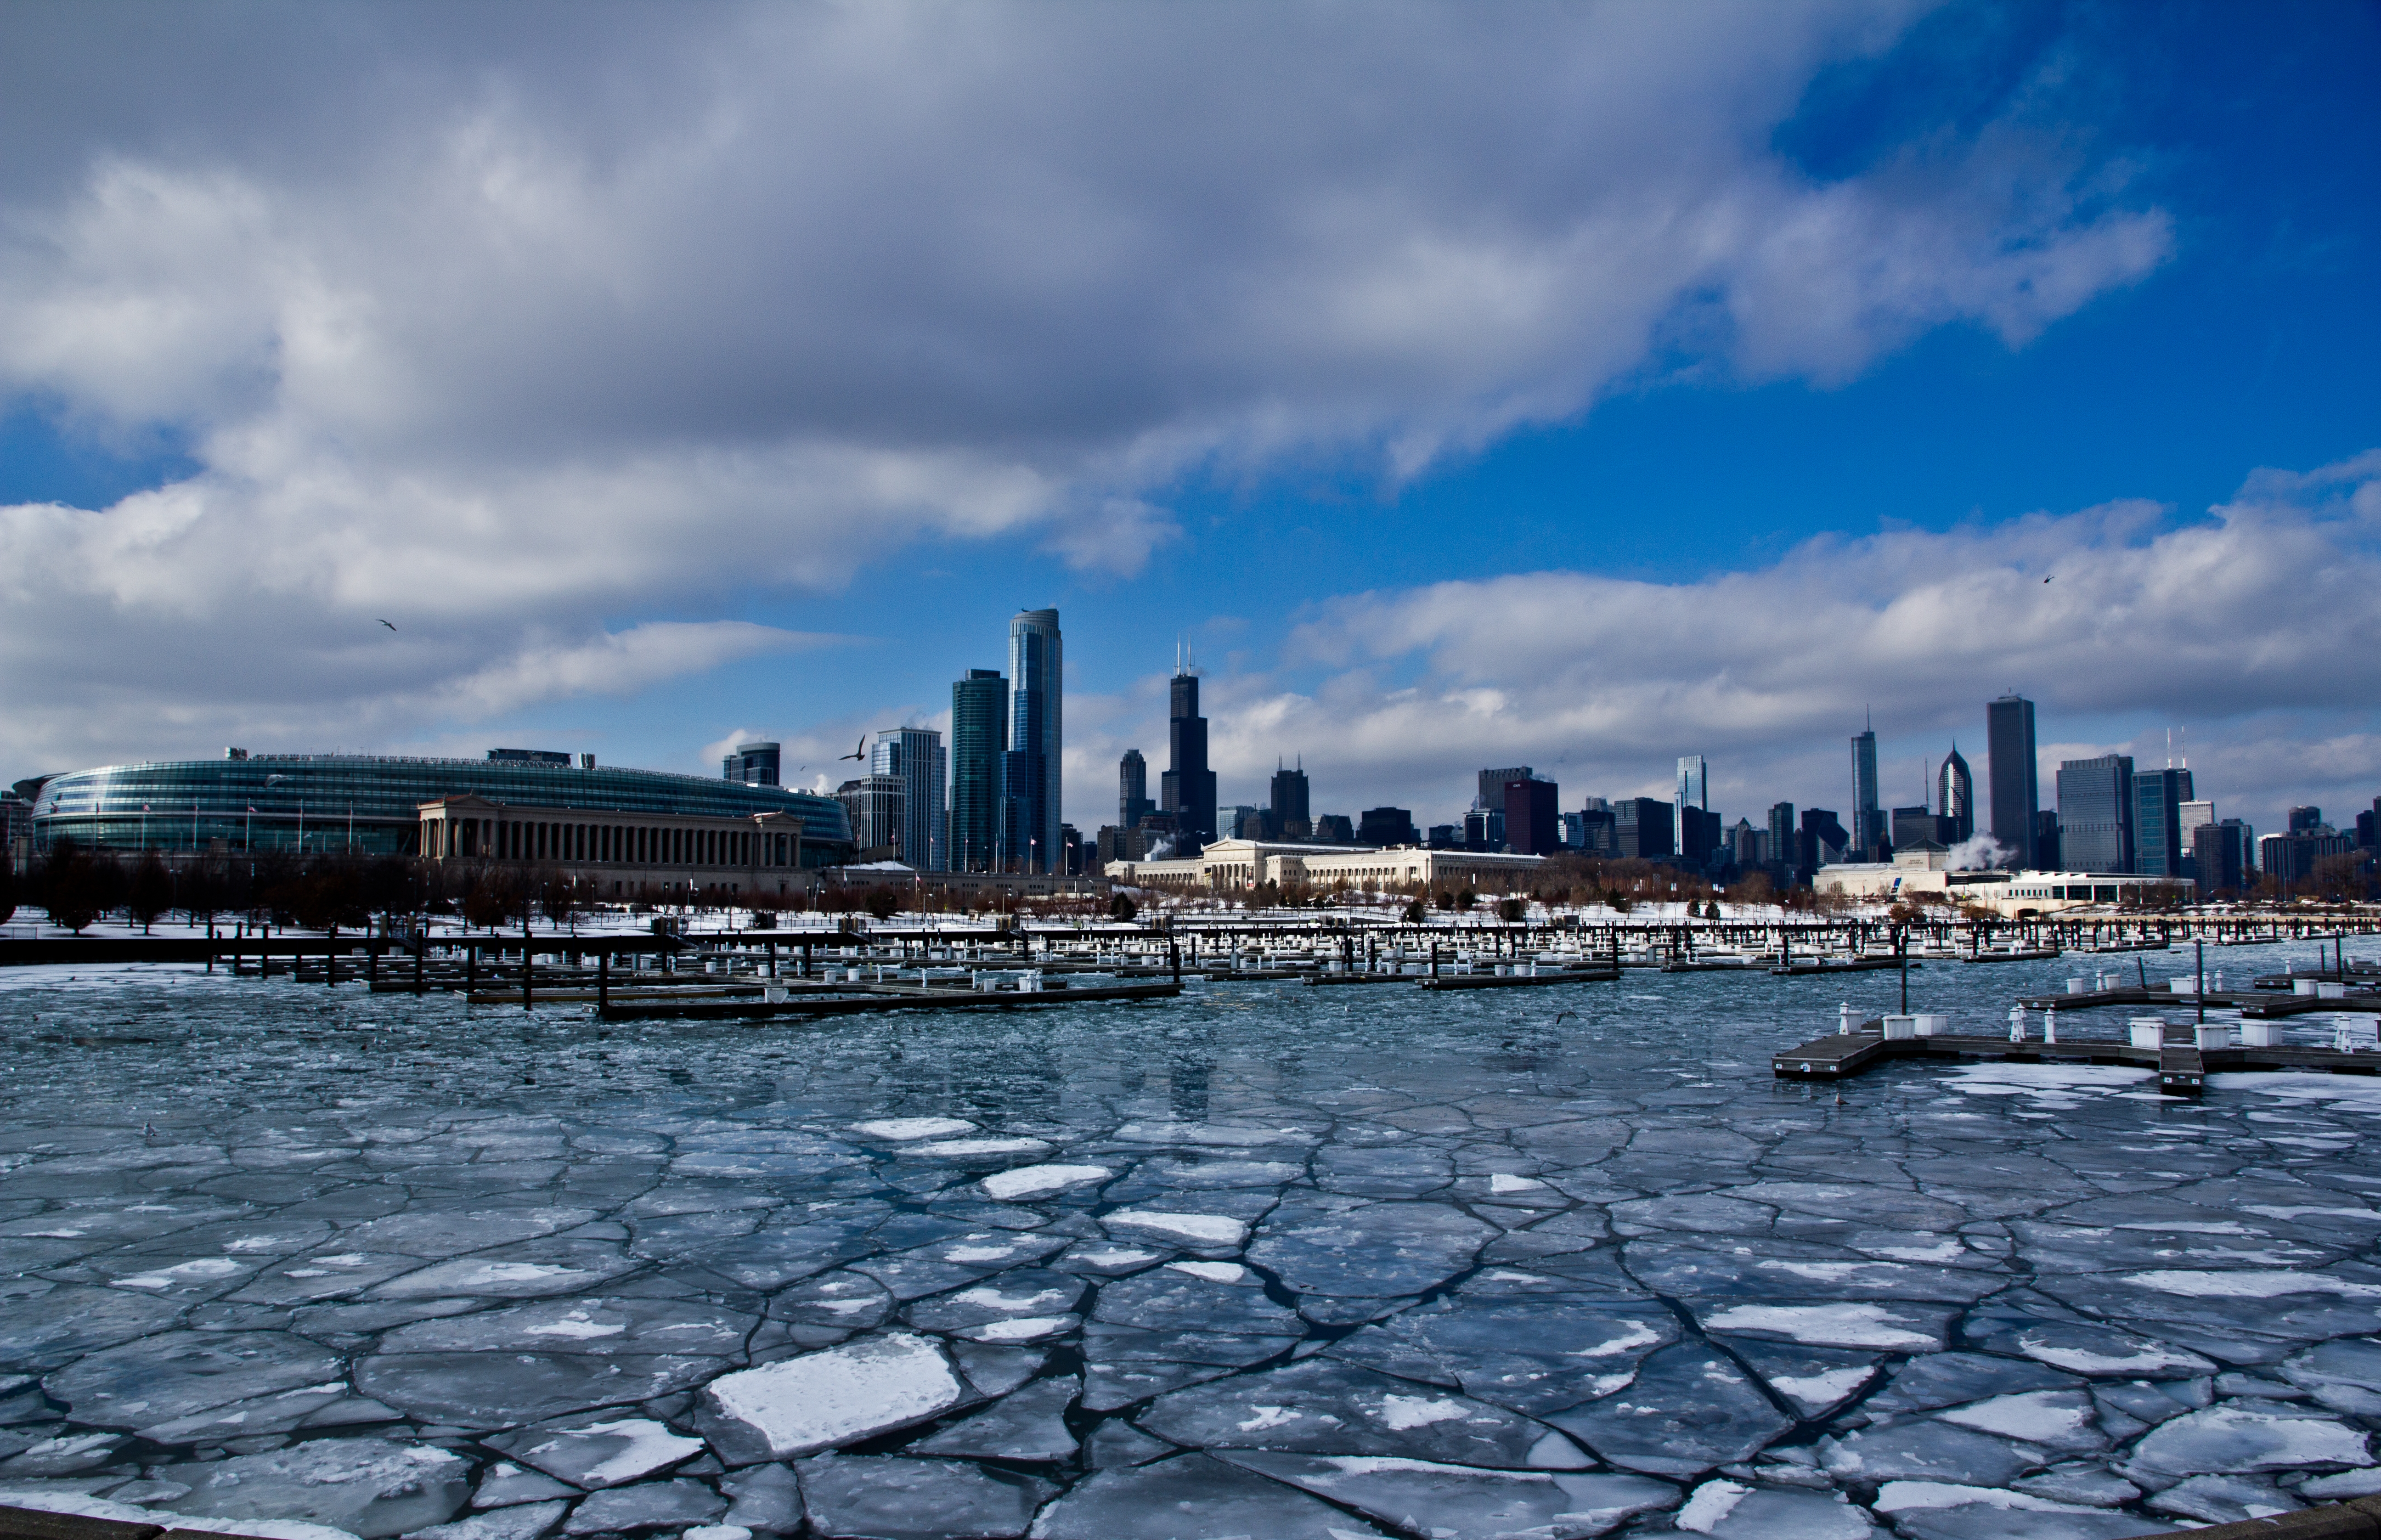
[{"x": 1267, "y": 1261}]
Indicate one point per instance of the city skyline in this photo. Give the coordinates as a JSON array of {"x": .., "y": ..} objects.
[{"x": 2013, "y": 347}]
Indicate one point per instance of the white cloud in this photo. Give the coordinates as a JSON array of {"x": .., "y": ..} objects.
[
  {"x": 585, "y": 316},
  {"x": 2244, "y": 626}
]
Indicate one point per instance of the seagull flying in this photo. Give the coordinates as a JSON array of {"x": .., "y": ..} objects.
[
  {"x": 2052, "y": 575},
  {"x": 388, "y": 624},
  {"x": 859, "y": 751}
]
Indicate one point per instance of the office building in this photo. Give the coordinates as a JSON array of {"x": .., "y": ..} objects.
[
  {"x": 1599, "y": 833},
  {"x": 1382, "y": 826},
  {"x": 1868, "y": 821},
  {"x": 1134, "y": 802},
  {"x": 1574, "y": 831},
  {"x": 1292, "y": 818},
  {"x": 2220, "y": 858},
  {"x": 914, "y": 757},
  {"x": 874, "y": 803},
  {"x": 1240, "y": 821},
  {"x": 1189, "y": 787},
  {"x": 1747, "y": 845},
  {"x": 1784, "y": 845},
  {"x": 2305, "y": 820},
  {"x": 1334, "y": 829},
  {"x": 1445, "y": 836},
  {"x": 1484, "y": 828},
  {"x": 1531, "y": 825},
  {"x": 1642, "y": 828},
  {"x": 1238, "y": 866},
  {"x": 2096, "y": 809},
  {"x": 1492, "y": 784},
  {"x": 2158, "y": 796},
  {"x": 2014, "y": 779},
  {"x": 1824, "y": 841},
  {"x": 1913, "y": 826},
  {"x": 1037, "y": 738},
  {"x": 1694, "y": 783},
  {"x": 979, "y": 738},
  {"x": 544, "y": 805},
  {"x": 1955, "y": 799},
  {"x": 752, "y": 765},
  {"x": 2193, "y": 814},
  {"x": 2047, "y": 847},
  {"x": 1701, "y": 835}
]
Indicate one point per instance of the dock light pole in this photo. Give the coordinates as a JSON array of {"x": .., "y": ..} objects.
[
  {"x": 2201, "y": 947},
  {"x": 1901, "y": 950}
]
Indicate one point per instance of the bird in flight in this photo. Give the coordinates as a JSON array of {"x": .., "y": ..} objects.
[
  {"x": 390, "y": 626},
  {"x": 2052, "y": 575},
  {"x": 859, "y": 751}
]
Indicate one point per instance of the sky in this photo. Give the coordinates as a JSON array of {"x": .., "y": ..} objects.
[{"x": 1573, "y": 385}]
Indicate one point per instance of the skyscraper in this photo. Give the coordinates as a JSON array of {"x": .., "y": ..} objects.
[
  {"x": 752, "y": 765},
  {"x": 1955, "y": 799},
  {"x": 1532, "y": 827},
  {"x": 1291, "y": 819},
  {"x": 1492, "y": 784},
  {"x": 1693, "y": 789},
  {"x": 2095, "y": 814},
  {"x": 1868, "y": 819},
  {"x": 1782, "y": 845},
  {"x": 1036, "y": 736},
  {"x": 2158, "y": 796},
  {"x": 914, "y": 757},
  {"x": 1189, "y": 787},
  {"x": 2009, "y": 766},
  {"x": 1133, "y": 791},
  {"x": 979, "y": 738}
]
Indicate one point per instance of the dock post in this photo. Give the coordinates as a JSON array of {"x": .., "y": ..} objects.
[
  {"x": 2050, "y": 1022},
  {"x": 1174, "y": 956},
  {"x": 470, "y": 971},
  {"x": 372, "y": 962},
  {"x": 2017, "y": 1023},
  {"x": 1844, "y": 1019},
  {"x": 529, "y": 970},
  {"x": 1901, "y": 950},
  {"x": 602, "y": 984},
  {"x": 2201, "y": 948},
  {"x": 421, "y": 957}
]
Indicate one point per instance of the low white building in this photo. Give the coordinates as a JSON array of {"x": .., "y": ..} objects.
[
  {"x": 1236, "y": 865},
  {"x": 1924, "y": 871}
]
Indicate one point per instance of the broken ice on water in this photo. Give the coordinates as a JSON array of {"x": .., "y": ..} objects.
[{"x": 306, "y": 1262}]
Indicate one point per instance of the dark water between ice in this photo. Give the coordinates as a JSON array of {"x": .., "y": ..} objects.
[{"x": 1270, "y": 1260}]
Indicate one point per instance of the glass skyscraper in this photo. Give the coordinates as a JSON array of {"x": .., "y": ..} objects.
[
  {"x": 1955, "y": 799},
  {"x": 914, "y": 757},
  {"x": 979, "y": 738},
  {"x": 1036, "y": 740},
  {"x": 2158, "y": 796},
  {"x": 1868, "y": 822},
  {"x": 2095, "y": 814},
  {"x": 1188, "y": 786}
]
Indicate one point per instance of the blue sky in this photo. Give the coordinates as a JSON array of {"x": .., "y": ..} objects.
[{"x": 2072, "y": 272}]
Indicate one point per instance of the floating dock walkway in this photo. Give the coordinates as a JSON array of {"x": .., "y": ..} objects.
[{"x": 2183, "y": 1064}]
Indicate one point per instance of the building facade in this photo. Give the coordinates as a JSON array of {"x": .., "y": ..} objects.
[
  {"x": 365, "y": 804},
  {"x": 2095, "y": 814},
  {"x": 876, "y": 805},
  {"x": 1236, "y": 865},
  {"x": 1868, "y": 819},
  {"x": 1642, "y": 828},
  {"x": 1037, "y": 737},
  {"x": 1293, "y": 819},
  {"x": 2012, "y": 776},
  {"x": 653, "y": 857},
  {"x": 2220, "y": 858},
  {"x": 979, "y": 738},
  {"x": 1955, "y": 799},
  {"x": 1188, "y": 788},
  {"x": 1382, "y": 826},
  {"x": 2158, "y": 796},
  {"x": 1134, "y": 801},
  {"x": 752, "y": 764},
  {"x": 914, "y": 757},
  {"x": 1531, "y": 826}
]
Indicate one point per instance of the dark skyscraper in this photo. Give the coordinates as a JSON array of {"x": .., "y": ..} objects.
[
  {"x": 2009, "y": 766},
  {"x": 1188, "y": 785},
  {"x": 1290, "y": 815},
  {"x": 1387, "y": 825},
  {"x": 1868, "y": 819},
  {"x": 752, "y": 764},
  {"x": 2095, "y": 814},
  {"x": 1955, "y": 799},
  {"x": 1133, "y": 791},
  {"x": 1037, "y": 736},
  {"x": 1782, "y": 845},
  {"x": 979, "y": 738},
  {"x": 2158, "y": 846},
  {"x": 1533, "y": 825},
  {"x": 1645, "y": 828}
]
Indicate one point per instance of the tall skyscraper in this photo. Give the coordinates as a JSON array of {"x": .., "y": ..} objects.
[
  {"x": 1133, "y": 791},
  {"x": 1955, "y": 799},
  {"x": 1036, "y": 736},
  {"x": 1290, "y": 817},
  {"x": 1783, "y": 846},
  {"x": 1868, "y": 819},
  {"x": 2015, "y": 781},
  {"x": 2095, "y": 814},
  {"x": 979, "y": 738},
  {"x": 752, "y": 765},
  {"x": 1533, "y": 825},
  {"x": 1188, "y": 786},
  {"x": 914, "y": 757},
  {"x": 2158, "y": 796},
  {"x": 1644, "y": 827},
  {"x": 1492, "y": 784},
  {"x": 1693, "y": 789}
]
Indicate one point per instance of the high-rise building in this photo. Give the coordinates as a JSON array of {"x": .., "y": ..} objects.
[
  {"x": 1492, "y": 783},
  {"x": 1335, "y": 828},
  {"x": 1291, "y": 817},
  {"x": 1782, "y": 844},
  {"x": 1824, "y": 839},
  {"x": 914, "y": 755},
  {"x": 2305, "y": 820},
  {"x": 1868, "y": 819},
  {"x": 979, "y": 738},
  {"x": 1189, "y": 787},
  {"x": 2014, "y": 778},
  {"x": 1386, "y": 826},
  {"x": 2095, "y": 814},
  {"x": 752, "y": 765},
  {"x": 1484, "y": 828},
  {"x": 1037, "y": 736},
  {"x": 1916, "y": 826},
  {"x": 1694, "y": 788},
  {"x": 1644, "y": 827},
  {"x": 2219, "y": 857},
  {"x": 2158, "y": 796},
  {"x": 1598, "y": 829},
  {"x": 1748, "y": 845},
  {"x": 1531, "y": 826},
  {"x": 1955, "y": 799},
  {"x": 1134, "y": 803},
  {"x": 2047, "y": 856},
  {"x": 873, "y": 802},
  {"x": 2193, "y": 814}
]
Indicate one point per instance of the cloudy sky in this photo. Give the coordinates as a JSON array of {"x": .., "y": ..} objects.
[{"x": 1569, "y": 385}]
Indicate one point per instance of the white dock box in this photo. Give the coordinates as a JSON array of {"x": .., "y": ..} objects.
[
  {"x": 1933, "y": 1025},
  {"x": 1899, "y": 1027},
  {"x": 2148, "y": 1031}
]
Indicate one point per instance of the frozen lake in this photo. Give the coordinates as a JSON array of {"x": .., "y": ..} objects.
[{"x": 1270, "y": 1260}]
